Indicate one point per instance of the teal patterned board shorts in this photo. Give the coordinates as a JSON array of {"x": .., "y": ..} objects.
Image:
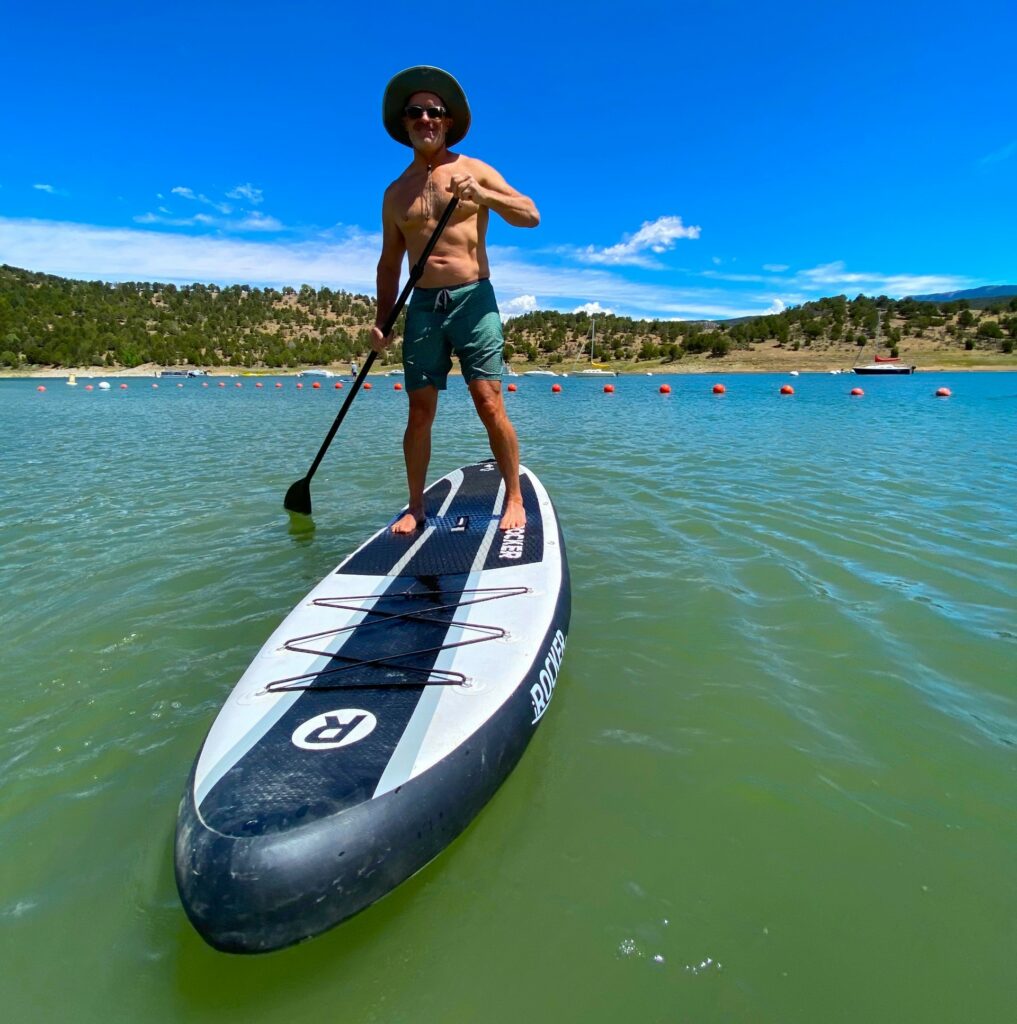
[{"x": 442, "y": 322}]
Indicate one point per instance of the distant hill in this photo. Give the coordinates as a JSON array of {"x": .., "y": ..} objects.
[
  {"x": 57, "y": 322},
  {"x": 992, "y": 291}
]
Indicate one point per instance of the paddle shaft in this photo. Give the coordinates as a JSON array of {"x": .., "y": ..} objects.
[{"x": 415, "y": 273}]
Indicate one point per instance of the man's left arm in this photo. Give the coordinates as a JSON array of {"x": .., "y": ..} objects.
[{"x": 486, "y": 187}]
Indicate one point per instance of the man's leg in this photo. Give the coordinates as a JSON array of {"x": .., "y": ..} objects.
[
  {"x": 417, "y": 451},
  {"x": 490, "y": 405}
]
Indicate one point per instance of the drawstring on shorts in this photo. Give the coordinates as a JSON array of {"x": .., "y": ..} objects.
[{"x": 442, "y": 300}]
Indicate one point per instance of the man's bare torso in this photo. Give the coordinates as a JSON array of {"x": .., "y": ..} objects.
[{"x": 414, "y": 202}]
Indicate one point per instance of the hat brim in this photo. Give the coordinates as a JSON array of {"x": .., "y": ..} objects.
[{"x": 424, "y": 79}]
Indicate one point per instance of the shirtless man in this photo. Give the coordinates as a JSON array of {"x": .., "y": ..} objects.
[{"x": 453, "y": 308}]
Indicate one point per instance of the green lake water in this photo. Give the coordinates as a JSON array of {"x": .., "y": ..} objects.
[{"x": 778, "y": 780}]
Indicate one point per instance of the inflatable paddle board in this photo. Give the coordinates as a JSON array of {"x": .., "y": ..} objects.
[{"x": 377, "y": 720}]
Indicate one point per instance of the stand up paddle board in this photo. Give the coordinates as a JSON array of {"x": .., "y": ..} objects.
[{"x": 377, "y": 720}]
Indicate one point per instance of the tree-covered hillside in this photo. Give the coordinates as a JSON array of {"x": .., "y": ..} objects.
[{"x": 52, "y": 321}]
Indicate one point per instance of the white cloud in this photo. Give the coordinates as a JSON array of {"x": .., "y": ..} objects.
[
  {"x": 776, "y": 268},
  {"x": 836, "y": 276},
  {"x": 656, "y": 236},
  {"x": 187, "y": 193},
  {"x": 45, "y": 188},
  {"x": 246, "y": 191},
  {"x": 132, "y": 254},
  {"x": 777, "y": 306},
  {"x": 517, "y": 306},
  {"x": 999, "y": 155},
  {"x": 594, "y": 309}
]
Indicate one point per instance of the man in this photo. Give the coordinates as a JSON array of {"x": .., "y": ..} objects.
[{"x": 453, "y": 308}]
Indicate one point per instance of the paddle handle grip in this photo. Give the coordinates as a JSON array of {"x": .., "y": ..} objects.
[{"x": 390, "y": 322}]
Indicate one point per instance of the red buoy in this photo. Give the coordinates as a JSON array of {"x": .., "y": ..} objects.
[
  {"x": 397, "y": 386},
  {"x": 857, "y": 391},
  {"x": 278, "y": 383},
  {"x": 512, "y": 387},
  {"x": 88, "y": 387},
  {"x": 665, "y": 389},
  {"x": 299, "y": 386},
  {"x": 338, "y": 384},
  {"x": 608, "y": 389},
  {"x": 316, "y": 385},
  {"x": 367, "y": 386},
  {"x": 123, "y": 387},
  {"x": 943, "y": 392},
  {"x": 238, "y": 385},
  {"x": 556, "y": 388},
  {"x": 41, "y": 387},
  {"x": 222, "y": 383},
  {"x": 258, "y": 384},
  {"x": 719, "y": 389},
  {"x": 786, "y": 389}
]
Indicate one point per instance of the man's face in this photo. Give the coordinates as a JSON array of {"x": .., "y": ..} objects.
[{"x": 426, "y": 133}]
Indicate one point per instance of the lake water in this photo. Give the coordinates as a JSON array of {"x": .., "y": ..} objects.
[{"x": 778, "y": 781}]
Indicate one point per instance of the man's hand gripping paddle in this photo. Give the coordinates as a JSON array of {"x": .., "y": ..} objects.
[{"x": 298, "y": 497}]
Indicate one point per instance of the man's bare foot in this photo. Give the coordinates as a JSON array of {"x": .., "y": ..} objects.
[
  {"x": 514, "y": 516},
  {"x": 408, "y": 523}
]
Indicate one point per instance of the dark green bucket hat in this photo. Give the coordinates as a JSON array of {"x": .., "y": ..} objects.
[{"x": 424, "y": 78}]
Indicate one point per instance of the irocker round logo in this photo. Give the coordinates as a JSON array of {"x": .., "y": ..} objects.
[{"x": 334, "y": 729}]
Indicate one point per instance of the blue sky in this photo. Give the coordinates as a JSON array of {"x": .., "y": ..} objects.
[{"x": 689, "y": 160}]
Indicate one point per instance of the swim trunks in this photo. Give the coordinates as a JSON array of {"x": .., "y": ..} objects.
[{"x": 461, "y": 321}]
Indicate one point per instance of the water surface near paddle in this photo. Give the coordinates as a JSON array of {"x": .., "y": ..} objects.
[{"x": 778, "y": 780}]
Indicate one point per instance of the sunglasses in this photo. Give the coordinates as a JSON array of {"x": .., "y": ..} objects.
[{"x": 414, "y": 112}]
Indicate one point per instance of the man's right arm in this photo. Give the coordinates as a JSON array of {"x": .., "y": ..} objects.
[{"x": 390, "y": 264}]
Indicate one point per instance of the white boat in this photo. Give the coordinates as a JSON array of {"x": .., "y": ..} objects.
[
  {"x": 72, "y": 381},
  {"x": 315, "y": 373},
  {"x": 395, "y": 373},
  {"x": 539, "y": 373},
  {"x": 883, "y": 366}
]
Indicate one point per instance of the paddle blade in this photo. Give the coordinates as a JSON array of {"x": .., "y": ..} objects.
[{"x": 298, "y": 497}]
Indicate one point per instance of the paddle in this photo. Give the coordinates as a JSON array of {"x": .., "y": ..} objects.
[{"x": 298, "y": 497}]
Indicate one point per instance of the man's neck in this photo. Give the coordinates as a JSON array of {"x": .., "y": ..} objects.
[{"x": 424, "y": 160}]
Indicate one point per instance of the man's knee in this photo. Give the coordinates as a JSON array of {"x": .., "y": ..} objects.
[{"x": 488, "y": 400}]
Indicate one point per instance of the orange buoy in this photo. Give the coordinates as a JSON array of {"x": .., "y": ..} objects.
[
  {"x": 88, "y": 387},
  {"x": 857, "y": 391},
  {"x": 665, "y": 389},
  {"x": 258, "y": 384},
  {"x": 367, "y": 386},
  {"x": 719, "y": 389},
  {"x": 316, "y": 385},
  {"x": 943, "y": 392},
  {"x": 397, "y": 386},
  {"x": 278, "y": 383},
  {"x": 41, "y": 387},
  {"x": 786, "y": 389},
  {"x": 299, "y": 386},
  {"x": 512, "y": 387},
  {"x": 123, "y": 387},
  {"x": 555, "y": 388},
  {"x": 338, "y": 384},
  {"x": 608, "y": 389}
]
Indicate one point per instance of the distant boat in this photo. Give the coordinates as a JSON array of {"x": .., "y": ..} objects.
[
  {"x": 396, "y": 373},
  {"x": 315, "y": 373},
  {"x": 595, "y": 370},
  {"x": 540, "y": 373},
  {"x": 883, "y": 366},
  {"x": 182, "y": 373},
  {"x": 72, "y": 381}
]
